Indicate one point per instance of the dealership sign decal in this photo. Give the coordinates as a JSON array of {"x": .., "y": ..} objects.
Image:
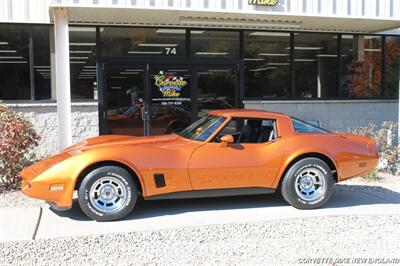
[
  {"x": 169, "y": 85},
  {"x": 263, "y": 2}
]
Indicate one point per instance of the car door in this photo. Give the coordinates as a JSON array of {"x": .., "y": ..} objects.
[{"x": 215, "y": 166}]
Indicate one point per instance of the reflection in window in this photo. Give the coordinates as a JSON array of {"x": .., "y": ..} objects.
[
  {"x": 216, "y": 88},
  {"x": 361, "y": 71},
  {"x": 214, "y": 43},
  {"x": 124, "y": 87},
  {"x": 41, "y": 59},
  {"x": 203, "y": 128},
  {"x": 82, "y": 48},
  {"x": 128, "y": 41},
  {"x": 14, "y": 62},
  {"x": 315, "y": 60},
  {"x": 267, "y": 66},
  {"x": 392, "y": 66}
]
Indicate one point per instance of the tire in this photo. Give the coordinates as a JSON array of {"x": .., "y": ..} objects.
[
  {"x": 100, "y": 192},
  {"x": 307, "y": 184}
]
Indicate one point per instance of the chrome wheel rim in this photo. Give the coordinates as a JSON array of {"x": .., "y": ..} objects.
[
  {"x": 108, "y": 194},
  {"x": 310, "y": 184}
]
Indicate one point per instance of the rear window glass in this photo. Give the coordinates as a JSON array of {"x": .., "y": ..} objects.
[{"x": 305, "y": 127}]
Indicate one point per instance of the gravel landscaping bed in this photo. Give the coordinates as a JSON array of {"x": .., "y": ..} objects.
[
  {"x": 273, "y": 242},
  {"x": 388, "y": 181}
]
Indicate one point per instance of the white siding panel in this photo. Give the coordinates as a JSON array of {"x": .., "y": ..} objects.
[
  {"x": 396, "y": 9},
  {"x": 370, "y": 8},
  {"x": 326, "y": 7},
  {"x": 37, "y": 11},
  {"x": 29, "y": 11},
  {"x": 3, "y": 10},
  {"x": 314, "y": 6}
]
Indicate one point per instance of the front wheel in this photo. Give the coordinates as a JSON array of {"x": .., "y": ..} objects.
[
  {"x": 107, "y": 193},
  {"x": 307, "y": 184}
]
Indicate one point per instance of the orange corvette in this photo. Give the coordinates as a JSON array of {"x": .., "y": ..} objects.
[{"x": 227, "y": 152}]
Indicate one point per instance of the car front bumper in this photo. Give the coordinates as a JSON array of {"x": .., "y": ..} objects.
[
  {"x": 43, "y": 190},
  {"x": 44, "y": 181}
]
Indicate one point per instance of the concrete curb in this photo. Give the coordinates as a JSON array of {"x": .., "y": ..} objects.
[{"x": 19, "y": 223}]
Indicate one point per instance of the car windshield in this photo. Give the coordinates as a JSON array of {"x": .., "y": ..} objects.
[{"x": 202, "y": 128}]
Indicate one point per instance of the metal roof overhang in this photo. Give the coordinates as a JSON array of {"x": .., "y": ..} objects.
[{"x": 132, "y": 16}]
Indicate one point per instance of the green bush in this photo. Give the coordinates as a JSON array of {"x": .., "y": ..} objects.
[{"x": 17, "y": 141}]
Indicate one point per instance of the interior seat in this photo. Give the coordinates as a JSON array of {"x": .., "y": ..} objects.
[
  {"x": 250, "y": 132},
  {"x": 266, "y": 134}
]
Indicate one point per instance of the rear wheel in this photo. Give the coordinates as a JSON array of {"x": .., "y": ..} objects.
[
  {"x": 307, "y": 184},
  {"x": 107, "y": 193}
]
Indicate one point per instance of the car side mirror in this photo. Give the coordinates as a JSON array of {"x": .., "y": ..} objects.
[{"x": 226, "y": 139}]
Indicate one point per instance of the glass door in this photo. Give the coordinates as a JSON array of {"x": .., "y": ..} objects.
[
  {"x": 159, "y": 99},
  {"x": 124, "y": 99},
  {"x": 170, "y": 102}
]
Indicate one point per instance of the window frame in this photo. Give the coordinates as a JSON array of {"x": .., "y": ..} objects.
[
  {"x": 322, "y": 130},
  {"x": 221, "y": 121},
  {"x": 241, "y": 124}
]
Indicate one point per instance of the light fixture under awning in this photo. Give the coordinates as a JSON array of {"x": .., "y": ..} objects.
[
  {"x": 144, "y": 52},
  {"x": 238, "y": 23},
  {"x": 211, "y": 53},
  {"x": 158, "y": 44}
]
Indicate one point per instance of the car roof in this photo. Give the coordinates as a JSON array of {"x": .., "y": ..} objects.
[{"x": 251, "y": 113}]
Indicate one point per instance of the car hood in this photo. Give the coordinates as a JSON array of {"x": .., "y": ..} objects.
[{"x": 163, "y": 141}]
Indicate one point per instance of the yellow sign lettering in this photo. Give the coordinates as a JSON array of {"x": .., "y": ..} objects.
[
  {"x": 162, "y": 81},
  {"x": 263, "y": 2}
]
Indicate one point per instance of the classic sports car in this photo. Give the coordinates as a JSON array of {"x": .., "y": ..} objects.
[{"x": 227, "y": 152}]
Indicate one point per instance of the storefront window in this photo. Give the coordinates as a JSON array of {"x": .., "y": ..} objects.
[
  {"x": 14, "y": 62},
  {"x": 392, "y": 66},
  {"x": 41, "y": 59},
  {"x": 361, "y": 71},
  {"x": 315, "y": 63},
  {"x": 267, "y": 64},
  {"x": 214, "y": 43},
  {"x": 216, "y": 88},
  {"x": 126, "y": 41},
  {"x": 82, "y": 48}
]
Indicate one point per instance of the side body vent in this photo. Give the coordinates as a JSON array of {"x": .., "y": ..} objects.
[{"x": 159, "y": 180}]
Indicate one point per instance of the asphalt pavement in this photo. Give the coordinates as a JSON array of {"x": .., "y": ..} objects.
[{"x": 41, "y": 222}]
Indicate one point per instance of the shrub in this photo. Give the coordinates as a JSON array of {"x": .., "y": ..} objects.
[
  {"x": 385, "y": 138},
  {"x": 17, "y": 140}
]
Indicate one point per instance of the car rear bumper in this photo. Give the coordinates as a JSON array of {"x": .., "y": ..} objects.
[{"x": 360, "y": 167}]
